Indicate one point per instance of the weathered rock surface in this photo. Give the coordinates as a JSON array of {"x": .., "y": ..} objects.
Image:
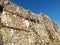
[{"x": 22, "y": 27}]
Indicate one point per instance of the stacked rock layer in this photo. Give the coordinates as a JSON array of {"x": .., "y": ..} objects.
[{"x": 22, "y": 27}]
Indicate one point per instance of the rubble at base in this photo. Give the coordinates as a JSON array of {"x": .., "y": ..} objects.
[{"x": 22, "y": 27}]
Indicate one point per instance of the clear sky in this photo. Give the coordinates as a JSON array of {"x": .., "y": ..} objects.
[{"x": 49, "y": 7}]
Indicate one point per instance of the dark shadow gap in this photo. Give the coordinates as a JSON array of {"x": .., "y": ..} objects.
[
  {"x": 1, "y": 8},
  {"x": 1, "y": 39}
]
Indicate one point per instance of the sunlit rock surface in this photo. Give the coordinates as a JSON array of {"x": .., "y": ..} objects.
[{"x": 22, "y": 27}]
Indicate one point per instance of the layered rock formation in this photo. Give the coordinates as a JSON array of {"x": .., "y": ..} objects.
[{"x": 22, "y": 27}]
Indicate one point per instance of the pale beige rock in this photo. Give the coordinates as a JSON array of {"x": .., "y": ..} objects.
[
  {"x": 55, "y": 26},
  {"x": 22, "y": 27}
]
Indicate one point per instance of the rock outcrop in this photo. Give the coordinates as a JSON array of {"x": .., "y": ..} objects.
[{"x": 22, "y": 27}]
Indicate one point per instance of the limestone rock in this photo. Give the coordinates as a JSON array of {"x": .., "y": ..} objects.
[
  {"x": 55, "y": 26},
  {"x": 22, "y": 27}
]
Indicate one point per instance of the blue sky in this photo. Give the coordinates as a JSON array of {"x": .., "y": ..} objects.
[{"x": 49, "y": 7}]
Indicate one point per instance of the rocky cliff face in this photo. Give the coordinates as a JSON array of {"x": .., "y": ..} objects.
[{"x": 22, "y": 27}]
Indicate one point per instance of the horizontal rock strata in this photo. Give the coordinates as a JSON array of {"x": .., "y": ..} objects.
[{"x": 22, "y": 27}]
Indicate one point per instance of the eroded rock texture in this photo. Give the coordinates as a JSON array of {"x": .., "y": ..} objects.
[{"x": 22, "y": 27}]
